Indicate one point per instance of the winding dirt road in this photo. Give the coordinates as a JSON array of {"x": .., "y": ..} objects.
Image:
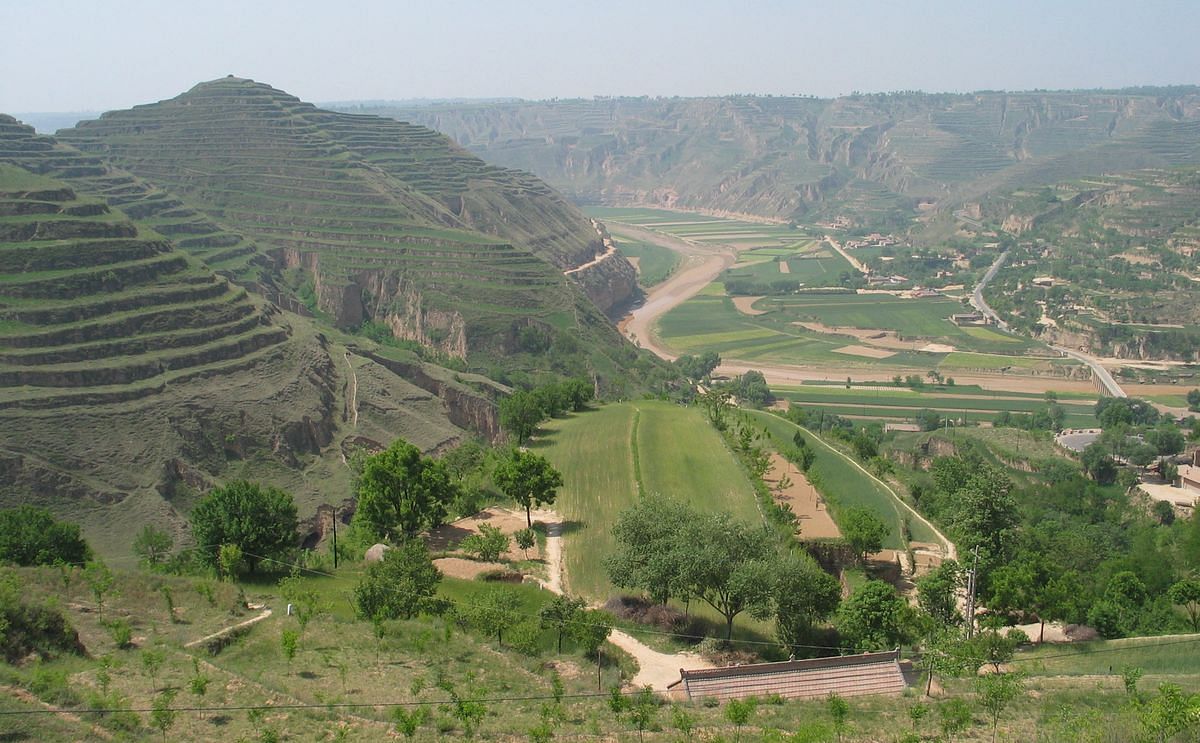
[
  {"x": 701, "y": 264},
  {"x": 656, "y": 670}
]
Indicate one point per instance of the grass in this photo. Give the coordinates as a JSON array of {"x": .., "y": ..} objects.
[
  {"x": 1174, "y": 655},
  {"x": 678, "y": 454},
  {"x": 654, "y": 262}
]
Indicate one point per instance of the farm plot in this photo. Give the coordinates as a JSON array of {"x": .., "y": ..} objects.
[
  {"x": 845, "y": 485},
  {"x": 654, "y": 263},
  {"x": 603, "y": 453}
]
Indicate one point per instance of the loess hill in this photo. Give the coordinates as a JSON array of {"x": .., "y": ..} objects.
[
  {"x": 137, "y": 370},
  {"x": 880, "y": 160},
  {"x": 367, "y": 218}
]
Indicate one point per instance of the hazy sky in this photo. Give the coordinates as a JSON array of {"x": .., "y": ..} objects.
[{"x": 72, "y": 55}]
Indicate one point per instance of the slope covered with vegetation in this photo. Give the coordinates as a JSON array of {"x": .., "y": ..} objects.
[
  {"x": 872, "y": 158},
  {"x": 370, "y": 220}
]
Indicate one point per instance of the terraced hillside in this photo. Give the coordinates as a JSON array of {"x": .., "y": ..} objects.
[
  {"x": 1115, "y": 263},
  {"x": 871, "y": 158},
  {"x": 378, "y": 220},
  {"x": 133, "y": 376}
]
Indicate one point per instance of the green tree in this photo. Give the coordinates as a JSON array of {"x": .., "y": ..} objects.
[
  {"x": 289, "y": 643},
  {"x": 1193, "y": 400},
  {"x": 1186, "y": 593},
  {"x": 873, "y": 618},
  {"x": 153, "y": 660},
  {"x": 304, "y": 600},
  {"x": 579, "y": 392},
  {"x": 739, "y": 712},
  {"x": 408, "y": 721},
  {"x": 162, "y": 716},
  {"x": 398, "y": 586},
  {"x": 100, "y": 580},
  {"x": 1098, "y": 464},
  {"x": 520, "y": 413},
  {"x": 260, "y": 521},
  {"x": 230, "y": 561},
  {"x": 643, "y": 709},
  {"x": 954, "y": 715},
  {"x": 495, "y": 612},
  {"x": 528, "y": 479},
  {"x": 31, "y": 536},
  {"x": 198, "y": 684},
  {"x": 928, "y": 420},
  {"x": 996, "y": 691},
  {"x": 839, "y": 710},
  {"x": 153, "y": 545},
  {"x": 729, "y": 565},
  {"x": 863, "y": 531},
  {"x": 1169, "y": 714},
  {"x": 804, "y": 594},
  {"x": 487, "y": 545},
  {"x": 526, "y": 539},
  {"x": 591, "y": 629},
  {"x": 560, "y": 614},
  {"x": 401, "y": 493},
  {"x": 716, "y": 404},
  {"x": 937, "y": 590},
  {"x": 649, "y": 555}
]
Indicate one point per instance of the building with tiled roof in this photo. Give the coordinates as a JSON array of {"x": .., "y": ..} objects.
[{"x": 846, "y": 675}]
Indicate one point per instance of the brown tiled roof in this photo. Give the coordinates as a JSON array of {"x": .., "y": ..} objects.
[{"x": 848, "y": 675}]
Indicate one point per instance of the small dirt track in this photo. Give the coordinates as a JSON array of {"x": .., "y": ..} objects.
[
  {"x": 232, "y": 628},
  {"x": 656, "y": 670}
]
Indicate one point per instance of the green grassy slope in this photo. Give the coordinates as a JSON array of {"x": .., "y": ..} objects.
[
  {"x": 383, "y": 220},
  {"x": 677, "y": 454}
]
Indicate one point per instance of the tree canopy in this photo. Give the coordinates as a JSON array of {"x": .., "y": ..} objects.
[
  {"x": 863, "y": 531},
  {"x": 402, "y": 493},
  {"x": 873, "y": 618},
  {"x": 259, "y": 521},
  {"x": 32, "y": 536},
  {"x": 399, "y": 586},
  {"x": 528, "y": 479}
]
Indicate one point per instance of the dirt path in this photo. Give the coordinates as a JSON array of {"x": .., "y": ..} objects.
[
  {"x": 222, "y": 632},
  {"x": 858, "y": 265},
  {"x": 656, "y": 670},
  {"x": 700, "y": 265}
]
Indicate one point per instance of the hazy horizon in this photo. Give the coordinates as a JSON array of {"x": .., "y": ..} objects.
[{"x": 133, "y": 51}]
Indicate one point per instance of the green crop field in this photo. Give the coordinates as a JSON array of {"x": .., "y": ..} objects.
[
  {"x": 846, "y": 485},
  {"x": 903, "y": 403},
  {"x": 1156, "y": 656},
  {"x": 710, "y": 322},
  {"x": 654, "y": 262},
  {"x": 677, "y": 454}
]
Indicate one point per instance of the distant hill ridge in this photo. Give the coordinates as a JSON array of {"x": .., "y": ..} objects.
[
  {"x": 883, "y": 159},
  {"x": 388, "y": 221}
]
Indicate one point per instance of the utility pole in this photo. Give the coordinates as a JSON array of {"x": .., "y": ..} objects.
[
  {"x": 971, "y": 584},
  {"x": 335, "y": 538}
]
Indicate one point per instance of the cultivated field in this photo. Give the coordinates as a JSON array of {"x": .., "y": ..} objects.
[
  {"x": 967, "y": 402},
  {"x": 845, "y": 485},
  {"x": 605, "y": 453}
]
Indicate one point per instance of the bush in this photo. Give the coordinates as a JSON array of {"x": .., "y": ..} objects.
[{"x": 636, "y": 609}]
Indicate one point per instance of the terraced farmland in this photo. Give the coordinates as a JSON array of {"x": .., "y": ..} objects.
[
  {"x": 606, "y": 454},
  {"x": 384, "y": 220}
]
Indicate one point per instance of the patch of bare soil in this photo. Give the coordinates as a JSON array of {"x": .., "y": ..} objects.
[
  {"x": 446, "y": 537},
  {"x": 936, "y": 348},
  {"x": 869, "y": 336},
  {"x": 459, "y": 567},
  {"x": 865, "y": 351},
  {"x": 784, "y": 267},
  {"x": 745, "y": 305},
  {"x": 812, "y": 514}
]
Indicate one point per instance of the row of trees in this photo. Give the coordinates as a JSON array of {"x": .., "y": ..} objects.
[{"x": 523, "y": 410}]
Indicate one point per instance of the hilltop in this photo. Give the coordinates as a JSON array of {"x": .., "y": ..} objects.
[
  {"x": 366, "y": 219},
  {"x": 134, "y": 373},
  {"x": 880, "y": 160}
]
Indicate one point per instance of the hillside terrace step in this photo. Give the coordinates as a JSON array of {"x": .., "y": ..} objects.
[
  {"x": 78, "y": 282},
  {"x": 95, "y": 374},
  {"x": 130, "y": 347},
  {"x": 54, "y": 256},
  {"x": 58, "y": 313},
  {"x": 231, "y": 305}
]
